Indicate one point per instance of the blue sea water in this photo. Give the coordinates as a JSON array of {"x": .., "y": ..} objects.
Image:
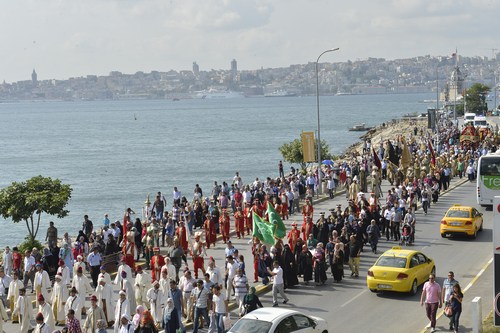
[{"x": 113, "y": 153}]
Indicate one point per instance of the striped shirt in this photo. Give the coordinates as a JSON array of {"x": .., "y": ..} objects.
[
  {"x": 200, "y": 297},
  {"x": 240, "y": 285}
]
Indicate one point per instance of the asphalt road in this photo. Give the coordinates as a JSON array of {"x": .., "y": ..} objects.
[{"x": 350, "y": 306}]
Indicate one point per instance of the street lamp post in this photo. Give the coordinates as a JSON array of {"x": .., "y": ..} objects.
[{"x": 318, "y": 143}]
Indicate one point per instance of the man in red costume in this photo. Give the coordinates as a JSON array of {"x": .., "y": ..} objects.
[
  {"x": 129, "y": 249},
  {"x": 181, "y": 234},
  {"x": 307, "y": 228},
  {"x": 239, "y": 223},
  {"x": 256, "y": 207},
  {"x": 157, "y": 262},
  {"x": 210, "y": 231},
  {"x": 307, "y": 210},
  {"x": 238, "y": 198},
  {"x": 293, "y": 235},
  {"x": 247, "y": 215},
  {"x": 224, "y": 225},
  {"x": 197, "y": 253}
]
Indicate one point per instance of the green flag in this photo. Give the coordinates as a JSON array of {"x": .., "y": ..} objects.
[
  {"x": 262, "y": 230},
  {"x": 275, "y": 219}
]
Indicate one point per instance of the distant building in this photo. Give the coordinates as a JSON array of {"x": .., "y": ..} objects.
[
  {"x": 234, "y": 67},
  {"x": 196, "y": 69},
  {"x": 34, "y": 78}
]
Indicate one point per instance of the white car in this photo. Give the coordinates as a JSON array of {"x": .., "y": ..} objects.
[{"x": 278, "y": 320}]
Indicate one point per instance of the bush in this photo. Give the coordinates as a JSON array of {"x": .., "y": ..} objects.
[{"x": 28, "y": 244}]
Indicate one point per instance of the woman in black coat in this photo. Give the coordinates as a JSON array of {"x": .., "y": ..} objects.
[
  {"x": 306, "y": 264},
  {"x": 289, "y": 266}
]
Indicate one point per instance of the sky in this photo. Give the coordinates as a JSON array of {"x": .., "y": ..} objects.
[{"x": 70, "y": 38}]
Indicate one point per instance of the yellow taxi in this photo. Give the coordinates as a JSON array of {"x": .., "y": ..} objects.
[
  {"x": 464, "y": 220},
  {"x": 400, "y": 270}
]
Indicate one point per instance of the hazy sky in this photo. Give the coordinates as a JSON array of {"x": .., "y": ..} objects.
[{"x": 67, "y": 38}]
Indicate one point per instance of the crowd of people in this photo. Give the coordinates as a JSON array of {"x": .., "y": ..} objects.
[{"x": 169, "y": 290}]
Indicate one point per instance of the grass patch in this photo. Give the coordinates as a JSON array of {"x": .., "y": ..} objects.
[{"x": 488, "y": 326}]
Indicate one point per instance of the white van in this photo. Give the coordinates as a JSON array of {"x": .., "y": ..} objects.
[
  {"x": 480, "y": 121},
  {"x": 469, "y": 118}
]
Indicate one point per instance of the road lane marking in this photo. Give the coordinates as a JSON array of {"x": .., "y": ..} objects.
[
  {"x": 352, "y": 299},
  {"x": 471, "y": 283}
]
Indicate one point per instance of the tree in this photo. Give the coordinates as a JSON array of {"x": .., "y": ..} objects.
[
  {"x": 26, "y": 201},
  {"x": 475, "y": 98},
  {"x": 292, "y": 152}
]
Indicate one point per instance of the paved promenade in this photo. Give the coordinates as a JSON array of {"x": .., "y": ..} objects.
[{"x": 244, "y": 247}]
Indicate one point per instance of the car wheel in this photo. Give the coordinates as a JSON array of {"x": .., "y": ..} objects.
[
  {"x": 433, "y": 271},
  {"x": 474, "y": 235},
  {"x": 414, "y": 288},
  {"x": 481, "y": 227},
  {"x": 443, "y": 235},
  {"x": 325, "y": 331},
  {"x": 373, "y": 290}
]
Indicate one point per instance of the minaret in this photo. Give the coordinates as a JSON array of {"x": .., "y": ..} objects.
[{"x": 34, "y": 78}]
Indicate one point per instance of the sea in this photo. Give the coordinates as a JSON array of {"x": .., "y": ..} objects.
[{"x": 115, "y": 153}]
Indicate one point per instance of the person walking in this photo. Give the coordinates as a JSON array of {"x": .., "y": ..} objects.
[
  {"x": 354, "y": 256},
  {"x": 447, "y": 291},
  {"x": 200, "y": 296},
  {"x": 278, "y": 283},
  {"x": 456, "y": 299},
  {"x": 431, "y": 296},
  {"x": 219, "y": 308}
]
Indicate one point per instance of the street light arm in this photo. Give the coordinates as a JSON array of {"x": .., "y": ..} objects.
[{"x": 329, "y": 50}]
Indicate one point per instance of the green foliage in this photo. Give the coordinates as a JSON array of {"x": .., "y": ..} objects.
[
  {"x": 292, "y": 152},
  {"x": 21, "y": 201},
  {"x": 29, "y": 244},
  {"x": 475, "y": 98}
]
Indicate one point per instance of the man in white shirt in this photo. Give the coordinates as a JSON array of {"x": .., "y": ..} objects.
[
  {"x": 7, "y": 261},
  {"x": 278, "y": 283},
  {"x": 219, "y": 308},
  {"x": 231, "y": 268},
  {"x": 187, "y": 285},
  {"x": 5, "y": 281},
  {"x": 29, "y": 269}
]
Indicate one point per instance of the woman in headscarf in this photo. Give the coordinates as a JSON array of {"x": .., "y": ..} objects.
[
  {"x": 338, "y": 263},
  {"x": 170, "y": 317},
  {"x": 147, "y": 324},
  {"x": 49, "y": 263},
  {"x": 139, "y": 311},
  {"x": 66, "y": 255},
  {"x": 319, "y": 265},
  {"x": 289, "y": 266},
  {"x": 306, "y": 264},
  {"x": 251, "y": 301}
]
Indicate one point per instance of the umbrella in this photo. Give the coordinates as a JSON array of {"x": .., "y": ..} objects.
[{"x": 327, "y": 162}]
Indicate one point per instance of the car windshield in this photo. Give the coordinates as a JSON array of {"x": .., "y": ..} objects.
[
  {"x": 246, "y": 325},
  {"x": 464, "y": 214},
  {"x": 392, "y": 262}
]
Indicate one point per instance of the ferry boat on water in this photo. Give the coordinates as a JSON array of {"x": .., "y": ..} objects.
[
  {"x": 218, "y": 94},
  {"x": 280, "y": 93},
  {"x": 360, "y": 128}
]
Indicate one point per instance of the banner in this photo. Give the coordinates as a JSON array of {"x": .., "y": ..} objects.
[
  {"x": 308, "y": 149},
  {"x": 275, "y": 220},
  {"x": 262, "y": 230}
]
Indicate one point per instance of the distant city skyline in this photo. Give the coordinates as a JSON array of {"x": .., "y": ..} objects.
[{"x": 63, "y": 39}]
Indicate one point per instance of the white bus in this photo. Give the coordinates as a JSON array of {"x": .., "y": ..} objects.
[
  {"x": 469, "y": 118},
  {"x": 488, "y": 178}
]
